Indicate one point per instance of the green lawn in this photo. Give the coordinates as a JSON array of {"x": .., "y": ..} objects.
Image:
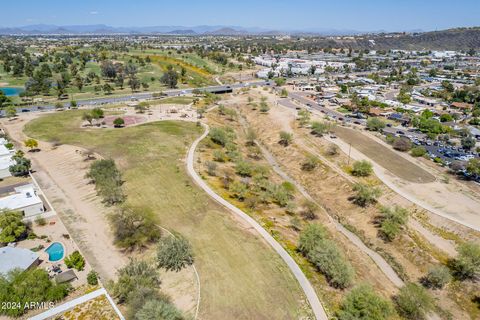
[{"x": 241, "y": 277}]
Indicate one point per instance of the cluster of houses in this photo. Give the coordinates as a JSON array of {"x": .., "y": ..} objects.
[{"x": 277, "y": 67}]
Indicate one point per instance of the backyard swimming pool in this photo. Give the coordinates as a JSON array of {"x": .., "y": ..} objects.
[
  {"x": 55, "y": 251},
  {"x": 11, "y": 91}
]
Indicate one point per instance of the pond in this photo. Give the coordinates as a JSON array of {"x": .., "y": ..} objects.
[{"x": 11, "y": 91}]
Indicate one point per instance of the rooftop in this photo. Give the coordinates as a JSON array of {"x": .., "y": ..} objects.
[
  {"x": 25, "y": 196},
  {"x": 16, "y": 258}
]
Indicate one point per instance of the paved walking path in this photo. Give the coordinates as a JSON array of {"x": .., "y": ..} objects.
[
  {"x": 310, "y": 293},
  {"x": 378, "y": 259}
]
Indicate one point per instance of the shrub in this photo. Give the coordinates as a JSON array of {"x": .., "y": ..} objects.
[
  {"x": 118, "y": 122},
  {"x": 158, "y": 309},
  {"x": 310, "y": 163},
  {"x": 375, "y": 124},
  {"x": 12, "y": 227},
  {"x": 264, "y": 108},
  {"x": 392, "y": 222},
  {"x": 402, "y": 144},
  {"x": 467, "y": 263},
  {"x": 311, "y": 237},
  {"x": 211, "y": 168},
  {"x": 280, "y": 194},
  {"x": 219, "y": 156},
  {"x": 362, "y": 303},
  {"x": 219, "y": 136},
  {"x": 92, "y": 278},
  {"x": 250, "y": 137},
  {"x": 286, "y": 138},
  {"x": 332, "y": 263},
  {"x": 310, "y": 209},
  {"x": 437, "y": 277},
  {"x": 108, "y": 181},
  {"x": 320, "y": 128},
  {"x": 27, "y": 287},
  {"x": 174, "y": 253},
  {"x": 418, "y": 151},
  {"x": 332, "y": 149},
  {"x": 365, "y": 194},
  {"x": 362, "y": 168},
  {"x": 238, "y": 190},
  {"x": 21, "y": 167},
  {"x": 244, "y": 168},
  {"x": 75, "y": 261},
  {"x": 414, "y": 302},
  {"x": 136, "y": 274},
  {"x": 40, "y": 221},
  {"x": 134, "y": 227}
]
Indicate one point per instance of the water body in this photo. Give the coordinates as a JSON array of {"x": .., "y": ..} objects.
[{"x": 11, "y": 91}]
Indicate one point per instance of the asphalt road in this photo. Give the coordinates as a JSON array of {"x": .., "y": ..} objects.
[{"x": 141, "y": 95}]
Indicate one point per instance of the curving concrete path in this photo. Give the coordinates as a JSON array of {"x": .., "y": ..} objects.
[{"x": 307, "y": 287}]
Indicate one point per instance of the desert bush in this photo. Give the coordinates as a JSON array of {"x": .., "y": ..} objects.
[
  {"x": 418, "y": 151},
  {"x": 320, "y": 128},
  {"x": 133, "y": 227},
  {"x": 158, "y": 309},
  {"x": 135, "y": 275},
  {"x": 393, "y": 220},
  {"x": 174, "y": 253},
  {"x": 365, "y": 194},
  {"x": 309, "y": 211},
  {"x": 362, "y": 303},
  {"x": 219, "y": 156},
  {"x": 92, "y": 278},
  {"x": 244, "y": 168},
  {"x": 332, "y": 149},
  {"x": 333, "y": 264},
  {"x": 375, "y": 124},
  {"x": 362, "y": 168},
  {"x": 238, "y": 190},
  {"x": 310, "y": 237},
  {"x": 310, "y": 163},
  {"x": 467, "y": 264},
  {"x": 414, "y": 302},
  {"x": 402, "y": 144},
  {"x": 286, "y": 138},
  {"x": 211, "y": 168},
  {"x": 437, "y": 277}
]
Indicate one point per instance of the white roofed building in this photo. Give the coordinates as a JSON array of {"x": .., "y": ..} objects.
[{"x": 25, "y": 200}]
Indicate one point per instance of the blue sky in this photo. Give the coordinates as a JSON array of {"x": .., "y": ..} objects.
[{"x": 362, "y": 15}]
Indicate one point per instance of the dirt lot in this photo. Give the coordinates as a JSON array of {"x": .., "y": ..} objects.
[
  {"x": 384, "y": 156},
  {"x": 237, "y": 270},
  {"x": 412, "y": 251}
]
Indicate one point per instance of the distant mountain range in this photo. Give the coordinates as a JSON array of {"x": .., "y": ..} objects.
[
  {"x": 196, "y": 30},
  {"x": 450, "y": 39}
]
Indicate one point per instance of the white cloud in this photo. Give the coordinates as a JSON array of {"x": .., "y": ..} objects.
[{"x": 94, "y": 12}]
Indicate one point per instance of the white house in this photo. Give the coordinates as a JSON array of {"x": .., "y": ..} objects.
[
  {"x": 5, "y": 159},
  {"x": 25, "y": 200},
  {"x": 16, "y": 258}
]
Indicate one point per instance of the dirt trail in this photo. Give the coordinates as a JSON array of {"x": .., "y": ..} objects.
[{"x": 60, "y": 173}]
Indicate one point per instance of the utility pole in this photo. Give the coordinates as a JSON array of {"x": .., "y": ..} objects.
[{"x": 349, "y": 151}]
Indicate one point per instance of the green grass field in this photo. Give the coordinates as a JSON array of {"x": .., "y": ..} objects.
[{"x": 241, "y": 277}]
